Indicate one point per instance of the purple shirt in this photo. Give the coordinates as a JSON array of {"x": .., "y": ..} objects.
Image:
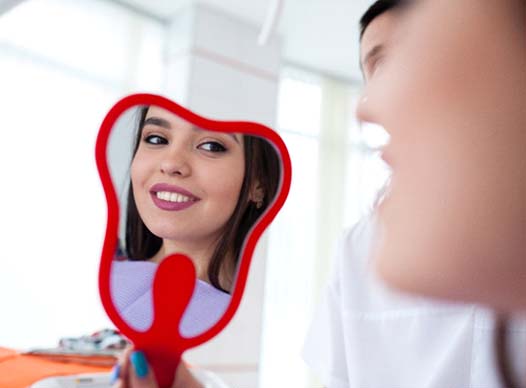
[{"x": 131, "y": 291}]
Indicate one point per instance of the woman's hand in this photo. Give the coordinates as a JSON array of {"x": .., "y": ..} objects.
[{"x": 133, "y": 371}]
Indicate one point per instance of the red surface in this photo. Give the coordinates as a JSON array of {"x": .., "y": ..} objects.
[{"x": 162, "y": 343}]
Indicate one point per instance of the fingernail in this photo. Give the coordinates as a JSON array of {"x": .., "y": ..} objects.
[
  {"x": 115, "y": 373},
  {"x": 139, "y": 363}
]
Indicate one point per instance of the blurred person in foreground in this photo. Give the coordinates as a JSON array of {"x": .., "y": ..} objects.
[{"x": 447, "y": 80}]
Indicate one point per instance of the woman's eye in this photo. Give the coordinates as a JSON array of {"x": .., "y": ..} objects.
[
  {"x": 155, "y": 140},
  {"x": 212, "y": 146},
  {"x": 376, "y": 65}
]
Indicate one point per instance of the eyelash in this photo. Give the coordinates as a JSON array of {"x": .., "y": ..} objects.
[
  {"x": 216, "y": 147},
  {"x": 148, "y": 139},
  {"x": 208, "y": 146}
]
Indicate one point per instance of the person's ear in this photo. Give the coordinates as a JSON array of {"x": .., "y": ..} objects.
[{"x": 257, "y": 195}]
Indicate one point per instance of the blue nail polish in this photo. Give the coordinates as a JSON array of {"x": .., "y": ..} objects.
[
  {"x": 115, "y": 373},
  {"x": 139, "y": 363}
]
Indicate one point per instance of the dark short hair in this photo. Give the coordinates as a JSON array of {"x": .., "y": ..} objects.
[
  {"x": 262, "y": 165},
  {"x": 375, "y": 10}
]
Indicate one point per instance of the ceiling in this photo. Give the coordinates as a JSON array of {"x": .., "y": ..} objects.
[{"x": 320, "y": 35}]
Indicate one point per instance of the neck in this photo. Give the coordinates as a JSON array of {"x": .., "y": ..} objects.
[
  {"x": 201, "y": 258},
  {"x": 199, "y": 254}
]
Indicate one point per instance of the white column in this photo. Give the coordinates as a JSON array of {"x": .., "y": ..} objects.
[{"x": 215, "y": 68}]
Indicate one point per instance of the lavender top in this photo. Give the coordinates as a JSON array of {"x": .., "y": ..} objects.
[{"x": 131, "y": 291}]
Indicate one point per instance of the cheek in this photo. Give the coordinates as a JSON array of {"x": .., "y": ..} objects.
[
  {"x": 223, "y": 184},
  {"x": 444, "y": 77},
  {"x": 230, "y": 188},
  {"x": 139, "y": 172}
]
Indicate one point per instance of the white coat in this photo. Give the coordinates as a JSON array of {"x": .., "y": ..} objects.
[{"x": 367, "y": 336}]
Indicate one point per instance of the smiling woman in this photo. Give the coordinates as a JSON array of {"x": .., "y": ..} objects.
[
  {"x": 192, "y": 191},
  {"x": 186, "y": 183}
]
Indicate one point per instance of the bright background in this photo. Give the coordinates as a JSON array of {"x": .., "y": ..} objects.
[{"x": 63, "y": 64}]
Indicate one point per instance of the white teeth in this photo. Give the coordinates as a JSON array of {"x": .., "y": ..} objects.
[{"x": 172, "y": 197}]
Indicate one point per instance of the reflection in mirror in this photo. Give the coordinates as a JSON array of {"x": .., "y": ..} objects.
[{"x": 189, "y": 190}]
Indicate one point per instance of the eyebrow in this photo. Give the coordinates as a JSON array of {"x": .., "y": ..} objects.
[
  {"x": 160, "y": 122},
  {"x": 157, "y": 121}
]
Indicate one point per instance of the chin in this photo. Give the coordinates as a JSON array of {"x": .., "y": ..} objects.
[
  {"x": 402, "y": 272},
  {"x": 401, "y": 265},
  {"x": 392, "y": 272},
  {"x": 166, "y": 232}
]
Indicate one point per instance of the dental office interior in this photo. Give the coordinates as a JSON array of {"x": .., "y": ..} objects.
[{"x": 291, "y": 65}]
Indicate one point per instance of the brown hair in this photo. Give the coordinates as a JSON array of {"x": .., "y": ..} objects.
[
  {"x": 262, "y": 167},
  {"x": 378, "y": 8}
]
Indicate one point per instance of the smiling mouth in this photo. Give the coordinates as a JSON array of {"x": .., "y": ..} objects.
[
  {"x": 174, "y": 197},
  {"x": 170, "y": 197}
]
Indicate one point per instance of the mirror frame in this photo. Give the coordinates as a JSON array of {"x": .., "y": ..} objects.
[{"x": 162, "y": 342}]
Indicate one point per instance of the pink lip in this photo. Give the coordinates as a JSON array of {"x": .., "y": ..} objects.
[{"x": 171, "y": 206}]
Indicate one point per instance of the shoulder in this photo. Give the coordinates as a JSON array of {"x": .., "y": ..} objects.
[
  {"x": 324, "y": 348},
  {"x": 132, "y": 269},
  {"x": 357, "y": 240},
  {"x": 361, "y": 229},
  {"x": 352, "y": 252}
]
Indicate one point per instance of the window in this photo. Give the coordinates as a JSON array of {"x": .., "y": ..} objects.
[
  {"x": 336, "y": 175},
  {"x": 59, "y": 76}
]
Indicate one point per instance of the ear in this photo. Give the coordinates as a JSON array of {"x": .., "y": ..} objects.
[{"x": 257, "y": 194}]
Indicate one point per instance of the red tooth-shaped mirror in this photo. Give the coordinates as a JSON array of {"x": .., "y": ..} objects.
[{"x": 188, "y": 199}]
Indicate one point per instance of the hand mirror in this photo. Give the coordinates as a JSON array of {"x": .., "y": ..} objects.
[{"x": 188, "y": 198}]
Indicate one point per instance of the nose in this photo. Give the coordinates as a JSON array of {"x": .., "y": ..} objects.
[{"x": 176, "y": 163}]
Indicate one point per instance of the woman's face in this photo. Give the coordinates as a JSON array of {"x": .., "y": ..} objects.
[
  {"x": 186, "y": 181},
  {"x": 452, "y": 94}
]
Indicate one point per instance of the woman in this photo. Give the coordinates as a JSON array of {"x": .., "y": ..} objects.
[
  {"x": 452, "y": 94},
  {"x": 195, "y": 192}
]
